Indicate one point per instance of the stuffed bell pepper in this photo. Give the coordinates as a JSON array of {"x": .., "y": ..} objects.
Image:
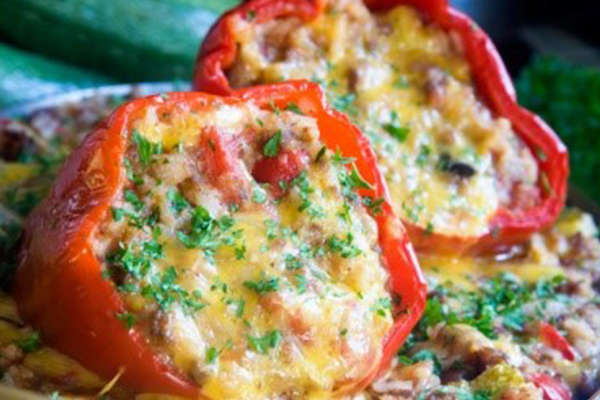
[
  {"x": 469, "y": 170},
  {"x": 195, "y": 245}
]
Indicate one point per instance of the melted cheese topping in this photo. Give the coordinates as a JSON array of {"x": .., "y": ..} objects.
[
  {"x": 266, "y": 296},
  {"x": 448, "y": 161}
]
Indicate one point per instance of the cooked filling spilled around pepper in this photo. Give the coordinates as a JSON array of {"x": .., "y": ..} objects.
[
  {"x": 252, "y": 289},
  {"x": 450, "y": 163}
]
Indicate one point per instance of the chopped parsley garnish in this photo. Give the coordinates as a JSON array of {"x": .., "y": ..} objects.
[
  {"x": 212, "y": 353},
  {"x": 293, "y": 107},
  {"x": 429, "y": 228},
  {"x": 375, "y": 205},
  {"x": 177, "y": 202},
  {"x": 134, "y": 200},
  {"x": 259, "y": 195},
  {"x": 383, "y": 306},
  {"x": 500, "y": 303},
  {"x": 272, "y": 228},
  {"x": 205, "y": 232},
  {"x": 271, "y": 148},
  {"x": 240, "y": 252},
  {"x": 350, "y": 181},
  {"x": 240, "y": 306},
  {"x": 127, "y": 319},
  {"x": 412, "y": 213},
  {"x": 423, "y": 156},
  {"x": 357, "y": 181},
  {"x": 165, "y": 291},
  {"x": 274, "y": 107},
  {"x": 301, "y": 283},
  {"x": 136, "y": 263},
  {"x": 344, "y": 247},
  {"x": 262, "y": 344},
  {"x": 423, "y": 355},
  {"x": 30, "y": 344},
  {"x": 145, "y": 148},
  {"x": 136, "y": 179},
  {"x": 345, "y": 103},
  {"x": 401, "y": 83},
  {"x": 263, "y": 286},
  {"x": 292, "y": 263},
  {"x": 395, "y": 129},
  {"x": 305, "y": 191},
  {"x": 117, "y": 214}
]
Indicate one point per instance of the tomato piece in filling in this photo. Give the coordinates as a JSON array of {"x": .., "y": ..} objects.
[
  {"x": 450, "y": 163},
  {"x": 242, "y": 252}
]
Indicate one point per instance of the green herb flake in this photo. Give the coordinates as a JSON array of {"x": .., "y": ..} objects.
[
  {"x": 344, "y": 247},
  {"x": 211, "y": 355},
  {"x": 145, "y": 148},
  {"x": 374, "y": 205},
  {"x": 395, "y": 129},
  {"x": 423, "y": 156},
  {"x": 271, "y": 148},
  {"x": 117, "y": 214},
  {"x": 357, "y": 181},
  {"x": 263, "y": 286},
  {"x": 401, "y": 83},
  {"x": 429, "y": 229},
  {"x": 127, "y": 319},
  {"x": 301, "y": 283},
  {"x": 30, "y": 344},
  {"x": 177, "y": 202},
  {"x": 293, "y": 107},
  {"x": 263, "y": 344},
  {"x": 259, "y": 195}
]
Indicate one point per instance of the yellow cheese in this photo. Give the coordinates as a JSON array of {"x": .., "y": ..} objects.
[
  {"x": 408, "y": 86},
  {"x": 292, "y": 297},
  {"x": 465, "y": 272}
]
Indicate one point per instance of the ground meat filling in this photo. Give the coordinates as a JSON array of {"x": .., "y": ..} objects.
[
  {"x": 449, "y": 162},
  {"x": 243, "y": 253}
]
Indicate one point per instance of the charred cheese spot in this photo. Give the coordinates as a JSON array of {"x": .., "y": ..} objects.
[
  {"x": 246, "y": 287},
  {"x": 450, "y": 163}
]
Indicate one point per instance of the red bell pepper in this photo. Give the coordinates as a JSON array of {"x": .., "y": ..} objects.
[
  {"x": 552, "y": 388},
  {"x": 551, "y": 337},
  {"x": 494, "y": 86},
  {"x": 59, "y": 285}
]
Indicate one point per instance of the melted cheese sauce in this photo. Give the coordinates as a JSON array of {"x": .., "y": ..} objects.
[
  {"x": 258, "y": 298},
  {"x": 448, "y": 161}
]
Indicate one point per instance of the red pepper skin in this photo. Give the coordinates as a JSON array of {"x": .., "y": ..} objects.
[
  {"x": 552, "y": 388},
  {"x": 59, "y": 286},
  {"x": 494, "y": 86},
  {"x": 551, "y": 337}
]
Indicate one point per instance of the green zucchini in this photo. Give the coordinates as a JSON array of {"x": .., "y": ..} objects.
[
  {"x": 25, "y": 77},
  {"x": 131, "y": 40}
]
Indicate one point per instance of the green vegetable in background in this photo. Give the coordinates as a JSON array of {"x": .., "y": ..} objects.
[
  {"x": 568, "y": 98},
  {"x": 131, "y": 40},
  {"x": 24, "y": 77}
]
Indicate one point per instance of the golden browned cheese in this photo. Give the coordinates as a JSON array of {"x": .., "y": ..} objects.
[
  {"x": 277, "y": 295},
  {"x": 450, "y": 163}
]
